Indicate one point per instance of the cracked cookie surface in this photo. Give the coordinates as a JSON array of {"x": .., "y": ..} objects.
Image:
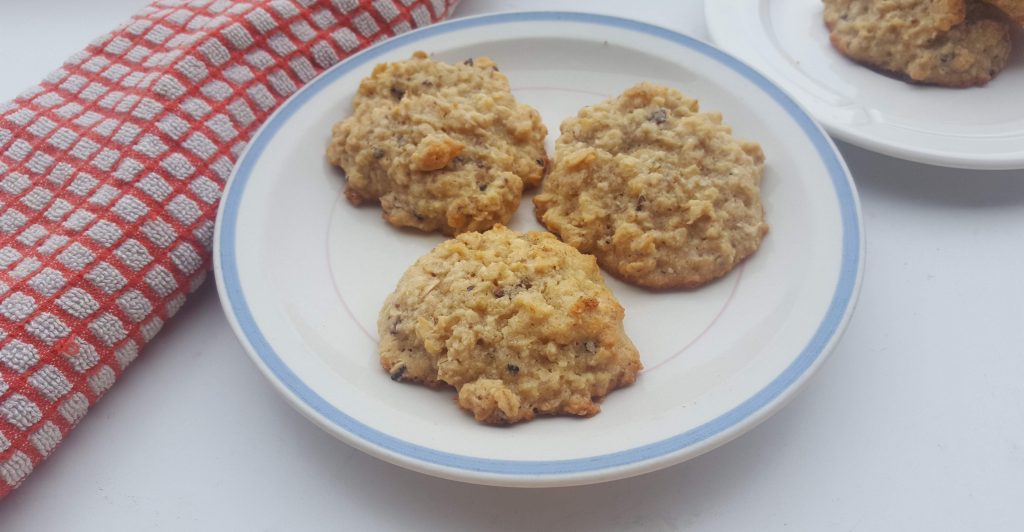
[
  {"x": 520, "y": 324},
  {"x": 661, "y": 193},
  {"x": 442, "y": 147}
]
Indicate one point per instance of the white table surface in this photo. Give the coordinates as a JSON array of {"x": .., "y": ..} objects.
[{"x": 916, "y": 422}]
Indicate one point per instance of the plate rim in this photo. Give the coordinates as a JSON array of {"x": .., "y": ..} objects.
[
  {"x": 609, "y": 466},
  {"x": 852, "y": 134}
]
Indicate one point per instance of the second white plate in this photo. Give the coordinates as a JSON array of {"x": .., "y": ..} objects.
[{"x": 977, "y": 128}]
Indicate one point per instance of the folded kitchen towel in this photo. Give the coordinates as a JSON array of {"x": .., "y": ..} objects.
[{"x": 110, "y": 174}]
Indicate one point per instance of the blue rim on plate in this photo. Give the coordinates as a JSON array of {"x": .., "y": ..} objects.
[{"x": 233, "y": 297}]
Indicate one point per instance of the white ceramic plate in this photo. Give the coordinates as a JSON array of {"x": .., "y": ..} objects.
[
  {"x": 979, "y": 128},
  {"x": 302, "y": 273}
]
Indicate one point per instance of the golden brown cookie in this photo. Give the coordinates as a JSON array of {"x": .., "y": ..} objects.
[
  {"x": 661, "y": 193},
  {"x": 442, "y": 147},
  {"x": 520, "y": 324},
  {"x": 909, "y": 21},
  {"x": 1013, "y": 9},
  {"x": 913, "y": 38}
]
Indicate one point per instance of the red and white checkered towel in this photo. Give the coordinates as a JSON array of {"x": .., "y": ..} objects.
[{"x": 110, "y": 174}]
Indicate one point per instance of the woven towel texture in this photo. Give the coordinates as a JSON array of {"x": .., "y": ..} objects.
[{"x": 110, "y": 174}]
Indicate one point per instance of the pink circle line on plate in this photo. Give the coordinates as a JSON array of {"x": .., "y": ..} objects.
[
  {"x": 728, "y": 300},
  {"x": 334, "y": 280},
  {"x": 580, "y": 91}
]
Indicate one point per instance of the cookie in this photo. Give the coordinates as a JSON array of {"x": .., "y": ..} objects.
[
  {"x": 442, "y": 147},
  {"x": 913, "y": 39},
  {"x": 520, "y": 324},
  {"x": 913, "y": 22},
  {"x": 660, "y": 192},
  {"x": 1013, "y": 9}
]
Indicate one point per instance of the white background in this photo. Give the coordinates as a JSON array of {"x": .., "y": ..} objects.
[{"x": 916, "y": 422}]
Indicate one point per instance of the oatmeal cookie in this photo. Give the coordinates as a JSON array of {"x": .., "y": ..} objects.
[
  {"x": 914, "y": 39},
  {"x": 442, "y": 147},
  {"x": 912, "y": 22},
  {"x": 520, "y": 324},
  {"x": 661, "y": 193}
]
